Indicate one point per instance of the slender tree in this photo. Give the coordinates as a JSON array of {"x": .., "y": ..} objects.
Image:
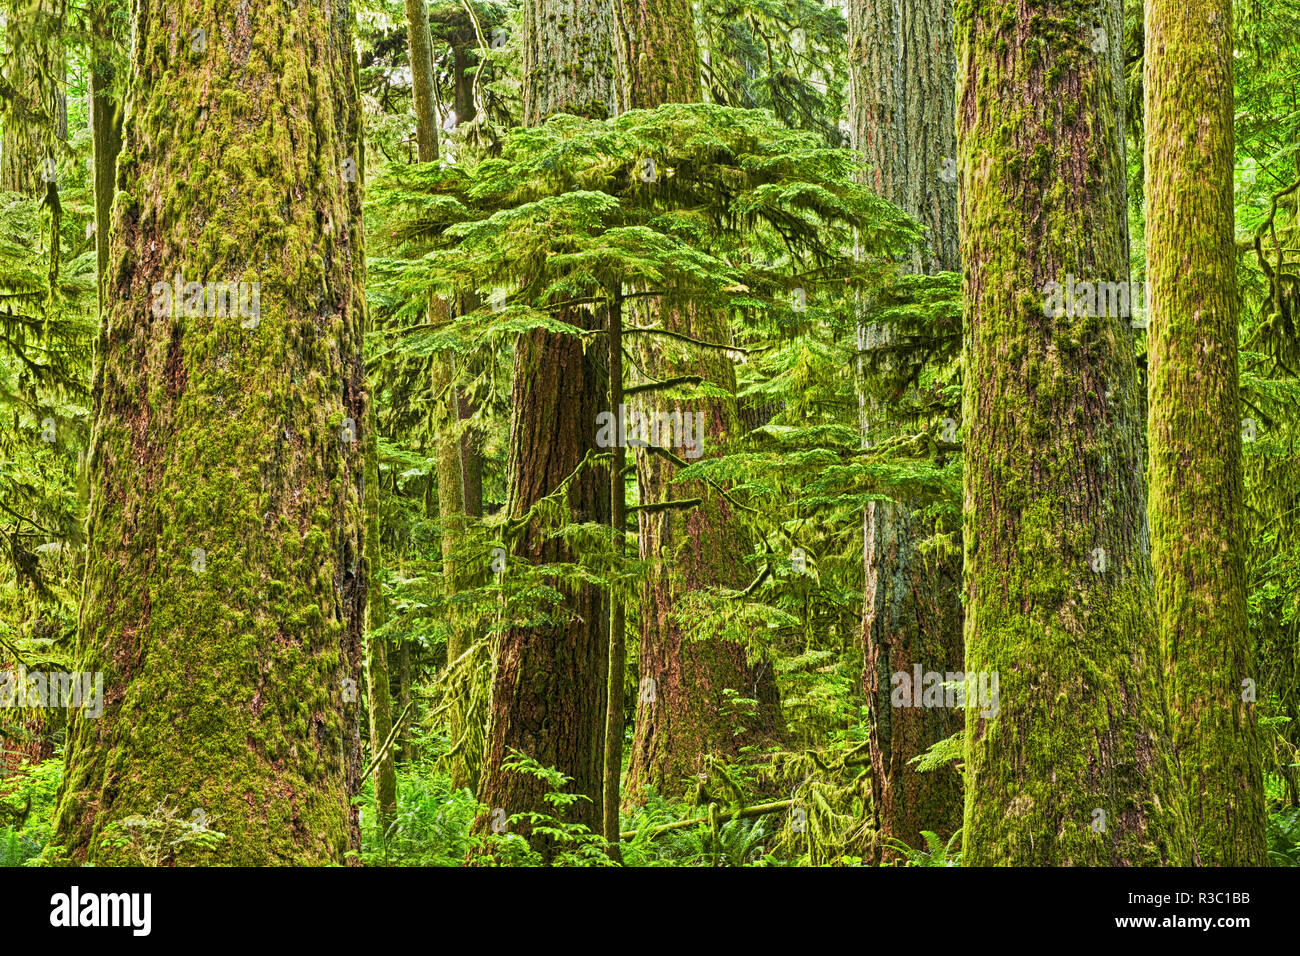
[
  {"x": 1069, "y": 762},
  {"x": 902, "y": 83},
  {"x": 105, "y": 125},
  {"x": 226, "y": 579},
  {"x": 378, "y": 683},
  {"x": 1195, "y": 425},
  {"x": 448, "y": 445}
]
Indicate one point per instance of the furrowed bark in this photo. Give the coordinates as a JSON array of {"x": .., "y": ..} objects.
[
  {"x": 548, "y": 698},
  {"x": 902, "y": 84},
  {"x": 681, "y": 712},
  {"x": 1073, "y": 765},
  {"x": 1195, "y": 427},
  {"x": 226, "y": 581}
]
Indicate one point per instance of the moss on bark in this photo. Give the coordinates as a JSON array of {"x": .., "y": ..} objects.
[
  {"x": 1195, "y": 430},
  {"x": 226, "y": 580},
  {"x": 1076, "y": 766}
]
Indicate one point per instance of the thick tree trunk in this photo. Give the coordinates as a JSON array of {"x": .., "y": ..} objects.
[
  {"x": 226, "y": 579},
  {"x": 656, "y": 54},
  {"x": 548, "y": 697},
  {"x": 902, "y": 79},
  {"x": 1195, "y": 431},
  {"x": 902, "y": 82},
  {"x": 681, "y": 711},
  {"x": 1070, "y": 762}
]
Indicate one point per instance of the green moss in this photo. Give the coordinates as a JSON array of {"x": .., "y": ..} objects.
[{"x": 224, "y": 685}]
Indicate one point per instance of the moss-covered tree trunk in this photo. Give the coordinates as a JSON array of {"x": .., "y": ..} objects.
[
  {"x": 1070, "y": 762},
  {"x": 1195, "y": 425},
  {"x": 32, "y": 84},
  {"x": 105, "y": 128},
  {"x": 449, "y": 466},
  {"x": 682, "y": 713},
  {"x": 451, "y": 490},
  {"x": 548, "y": 696},
  {"x": 902, "y": 84},
  {"x": 226, "y": 581},
  {"x": 471, "y": 437}
]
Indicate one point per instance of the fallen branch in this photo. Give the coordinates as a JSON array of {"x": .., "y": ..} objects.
[
  {"x": 757, "y": 810},
  {"x": 388, "y": 742}
]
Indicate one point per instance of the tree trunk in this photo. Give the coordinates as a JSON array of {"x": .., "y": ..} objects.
[
  {"x": 226, "y": 579},
  {"x": 471, "y": 437},
  {"x": 902, "y": 79},
  {"x": 451, "y": 491},
  {"x": 1070, "y": 761},
  {"x": 106, "y": 132},
  {"x": 35, "y": 117},
  {"x": 617, "y": 610},
  {"x": 1195, "y": 431},
  {"x": 548, "y": 697},
  {"x": 378, "y": 685},
  {"x": 902, "y": 82},
  {"x": 682, "y": 703}
]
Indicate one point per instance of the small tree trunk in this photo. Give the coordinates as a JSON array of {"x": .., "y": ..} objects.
[
  {"x": 1195, "y": 431},
  {"x": 35, "y": 117},
  {"x": 105, "y": 130},
  {"x": 378, "y": 688},
  {"x": 617, "y": 625}
]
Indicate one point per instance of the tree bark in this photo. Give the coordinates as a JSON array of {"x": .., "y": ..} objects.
[
  {"x": 1071, "y": 762},
  {"x": 378, "y": 685},
  {"x": 613, "y": 769},
  {"x": 1197, "y": 538},
  {"x": 106, "y": 132},
  {"x": 681, "y": 713},
  {"x": 226, "y": 581},
  {"x": 548, "y": 697},
  {"x": 902, "y": 85}
]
